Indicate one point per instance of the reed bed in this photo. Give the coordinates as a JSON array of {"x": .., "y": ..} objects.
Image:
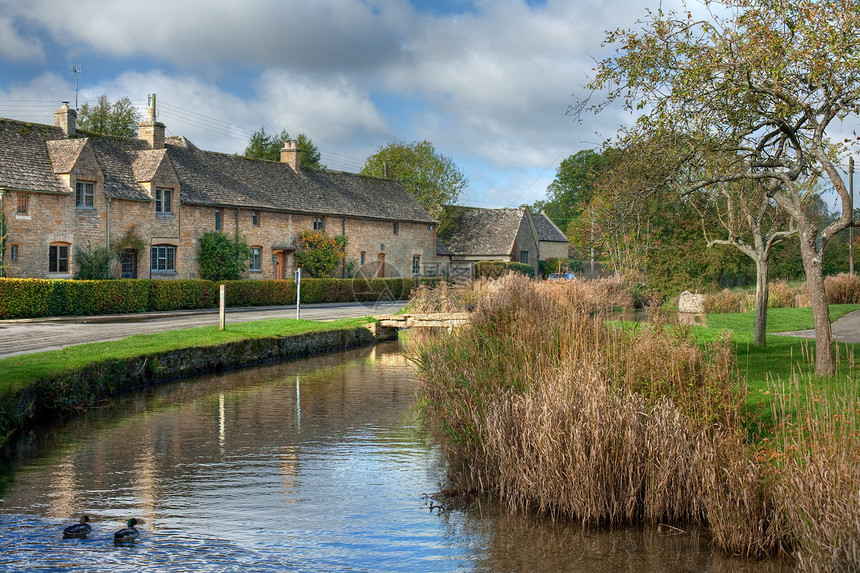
[{"x": 541, "y": 403}]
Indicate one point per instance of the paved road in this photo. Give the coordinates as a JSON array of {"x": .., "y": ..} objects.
[
  {"x": 37, "y": 335},
  {"x": 845, "y": 329}
]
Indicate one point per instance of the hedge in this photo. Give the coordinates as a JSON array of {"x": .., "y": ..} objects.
[
  {"x": 33, "y": 298},
  {"x": 495, "y": 269}
]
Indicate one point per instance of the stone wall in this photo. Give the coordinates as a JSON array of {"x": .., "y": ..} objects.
[
  {"x": 73, "y": 392},
  {"x": 692, "y": 303}
]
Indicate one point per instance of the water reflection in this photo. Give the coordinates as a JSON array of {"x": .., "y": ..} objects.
[{"x": 316, "y": 465}]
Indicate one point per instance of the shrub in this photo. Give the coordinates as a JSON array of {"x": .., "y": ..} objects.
[
  {"x": 221, "y": 257},
  {"x": 181, "y": 294},
  {"x": 318, "y": 254},
  {"x": 93, "y": 263}
]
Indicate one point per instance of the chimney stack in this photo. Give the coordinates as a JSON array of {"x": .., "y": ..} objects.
[
  {"x": 151, "y": 130},
  {"x": 64, "y": 118},
  {"x": 291, "y": 156}
]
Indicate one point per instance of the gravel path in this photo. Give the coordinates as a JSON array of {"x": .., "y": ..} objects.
[{"x": 845, "y": 329}]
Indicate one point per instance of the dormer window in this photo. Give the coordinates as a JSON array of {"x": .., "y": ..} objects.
[
  {"x": 163, "y": 200},
  {"x": 84, "y": 194}
]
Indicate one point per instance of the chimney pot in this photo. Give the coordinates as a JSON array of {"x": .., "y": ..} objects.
[
  {"x": 151, "y": 130},
  {"x": 291, "y": 155}
]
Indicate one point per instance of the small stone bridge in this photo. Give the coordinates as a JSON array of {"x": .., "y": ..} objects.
[{"x": 436, "y": 320}]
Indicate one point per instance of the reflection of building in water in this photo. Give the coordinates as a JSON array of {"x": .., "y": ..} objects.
[
  {"x": 289, "y": 472},
  {"x": 185, "y": 438}
]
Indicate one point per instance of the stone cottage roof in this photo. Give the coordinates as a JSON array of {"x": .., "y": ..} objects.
[
  {"x": 210, "y": 178},
  {"x": 547, "y": 230},
  {"x": 205, "y": 177},
  {"x": 442, "y": 249},
  {"x": 24, "y": 161},
  {"x": 482, "y": 232}
]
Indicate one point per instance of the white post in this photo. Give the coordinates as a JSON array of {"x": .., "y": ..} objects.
[
  {"x": 221, "y": 313},
  {"x": 298, "y": 293}
]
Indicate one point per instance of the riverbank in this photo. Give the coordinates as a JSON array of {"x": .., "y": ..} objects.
[
  {"x": 45, "y": 386},
  {"x": 647, "y": 424}
]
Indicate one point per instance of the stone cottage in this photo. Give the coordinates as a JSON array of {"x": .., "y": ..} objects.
[
  {"x": 152, "y": 198},
  {"x": 492, "y": 235},
  {"x": 553, "y": 244}
]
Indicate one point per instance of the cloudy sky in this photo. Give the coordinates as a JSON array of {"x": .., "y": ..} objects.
[{"x": 488, "y": 82}]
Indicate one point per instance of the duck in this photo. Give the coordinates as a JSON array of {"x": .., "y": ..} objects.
[
  {"x": 80, "y": 529},
  {"x": 127, "y": 534}
]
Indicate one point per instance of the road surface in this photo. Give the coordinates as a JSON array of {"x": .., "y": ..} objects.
[{"x": 37, "y": 335}]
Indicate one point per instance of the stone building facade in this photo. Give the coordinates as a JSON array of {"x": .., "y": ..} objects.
[
  {"x": 153, "y": 197},
  {"x": 492, "y": 234}
]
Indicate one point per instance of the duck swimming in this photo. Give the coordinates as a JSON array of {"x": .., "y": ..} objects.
[
  {"x": 79, "y": 529},
  {"x": 127, "y": 534}
]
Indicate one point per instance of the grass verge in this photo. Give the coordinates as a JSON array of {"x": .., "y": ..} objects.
[{"x": 19, "y": 371}]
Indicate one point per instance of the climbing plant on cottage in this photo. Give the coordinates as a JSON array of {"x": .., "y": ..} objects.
[
  {"x": 319, "y": 254},
  {"x": 221, "y": 257}
]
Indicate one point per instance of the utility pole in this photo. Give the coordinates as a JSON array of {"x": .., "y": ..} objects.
[{"x": 851, "y": 205}]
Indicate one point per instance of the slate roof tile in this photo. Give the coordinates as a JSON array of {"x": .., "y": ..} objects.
[
  {"x": 24, "y": 160},
  {"x": 482, "y": 232},
  {"x": 206, "y": 177},
  {"x": 547, "y": 231}
]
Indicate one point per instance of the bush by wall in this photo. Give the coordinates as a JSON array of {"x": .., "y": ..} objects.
[
  {"x": 495, "y": 269},
  {"x": 32, "y": 298}
]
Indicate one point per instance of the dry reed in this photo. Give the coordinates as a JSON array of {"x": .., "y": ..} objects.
[{"x": 542, "y": 404}]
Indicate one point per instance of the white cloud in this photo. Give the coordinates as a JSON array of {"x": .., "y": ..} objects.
[
  {"x": 489, "y": 87},
  {"x": 14, "y": 47}
]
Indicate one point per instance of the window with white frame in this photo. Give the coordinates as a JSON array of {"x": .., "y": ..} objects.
[
  {"x": 163, "y": 258},
  {"x": 256, "y": 260},
  {"x": 84, "y": 194},
  {"x": 416, "y": 264},
  {"x": 255, "y": 218},
  {"x": 58, "y": 258},
  {"x": 319, "y": 224},
  {"x": 163, "y": 200}
]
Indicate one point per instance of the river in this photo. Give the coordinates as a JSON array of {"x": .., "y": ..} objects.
[{"x": 313, "y": 465}]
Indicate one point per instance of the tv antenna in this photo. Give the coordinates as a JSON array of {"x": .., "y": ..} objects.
[{"x": 77, "y": 70}]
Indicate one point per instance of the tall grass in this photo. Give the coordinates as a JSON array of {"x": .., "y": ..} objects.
[{"x": 542, "y": 404}]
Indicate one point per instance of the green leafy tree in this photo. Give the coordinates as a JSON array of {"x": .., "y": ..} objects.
[
  {"x": 573, "y": 187},
  {"x": 319, "y": 254},
  {"x": 94, "y": 263},
  {"x": 120, "y": 118},
  {"x": 265, "y": 146},
  {"x": 763, "y": 81},
  {"x": 221, "y": 257},
  {"x": 431, "y": 177}
]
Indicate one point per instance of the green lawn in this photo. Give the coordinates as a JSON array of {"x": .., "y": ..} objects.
[
  {"x": 784, "y": 359},
  {"x": 18, "y": 371}
]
